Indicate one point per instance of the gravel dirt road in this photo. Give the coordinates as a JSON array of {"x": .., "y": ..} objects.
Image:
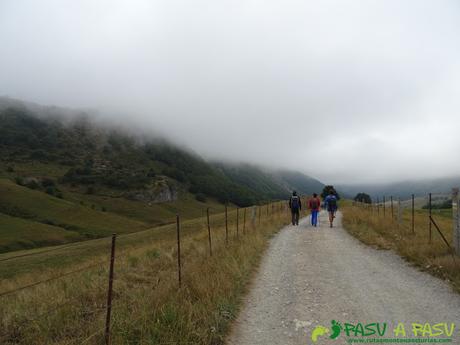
[{"x": 310, "y": 276}]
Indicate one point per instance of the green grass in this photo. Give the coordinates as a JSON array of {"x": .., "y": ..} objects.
[
  {"x": 32, "y": 168},
  {"x": 148, "y": 307},
  {"x": 432, "y": 255},
  {"x": 35, "y": 205},
  {"x": 20, "y": 233},
  {"x": 73, "y": 254},
  {"x": 79, "y": 216},
  {"x": 152, "y": 214}
]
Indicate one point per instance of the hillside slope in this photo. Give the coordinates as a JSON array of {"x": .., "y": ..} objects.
[
  {"x": 61, "y": 171},
  {"x": 294, "y": 180},
  {"x": 269, "y": 183}
]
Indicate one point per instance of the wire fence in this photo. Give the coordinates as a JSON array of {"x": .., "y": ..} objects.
[
  {"x": 404, "y": 215},
  {"x": 99, "y": 317}
]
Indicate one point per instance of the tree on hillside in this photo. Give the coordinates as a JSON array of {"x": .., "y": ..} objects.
[
  {"x": 327, "y": 190},
  {"x": 363, "y": 197}
]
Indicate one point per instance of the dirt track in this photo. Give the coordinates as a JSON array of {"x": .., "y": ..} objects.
[{"x": 311, "y": 276}]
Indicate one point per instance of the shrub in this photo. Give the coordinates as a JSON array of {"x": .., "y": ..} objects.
[
  {"x": 153, "y": 254},
  {"x": 38, "y": 155},
  {"x": 50, "y": 190},
  {"x": 200, "y": 197},
  {"x": 363, "y": 197},
  {"x": 90, "y": 190},
  {"x": 32, "y": 184},
  {"x": 175, "y": 174},
  {"x": 47, "y": 182}
]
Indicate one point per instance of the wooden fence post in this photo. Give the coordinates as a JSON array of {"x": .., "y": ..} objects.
[
  {"x": 456, "y": 220},
  {"x": 384, "y": 207},
  {"x": 179, "y": 267},
  {"x": 244, "y": 221},
  {"x": 430, "y": 213},
  {"x": 237, "y": 222},
  {"x": 108, "y": 339},
  {"x": 226, "y": 225},
  {"x": 209, "y": 232},
  {"x": 413, "y": 214},
  {"x": 392, "y": 210},
  {"x": 260, "y": 211}
]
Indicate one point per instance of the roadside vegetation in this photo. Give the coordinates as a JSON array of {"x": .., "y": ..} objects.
[
  {"x": 148, "y": 305},
  {"x": 369, "y": 225}
]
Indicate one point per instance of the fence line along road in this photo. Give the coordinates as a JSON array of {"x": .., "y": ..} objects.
[
  {"x": 106, "y": 330},
  {"x": 454, "y": 248}
]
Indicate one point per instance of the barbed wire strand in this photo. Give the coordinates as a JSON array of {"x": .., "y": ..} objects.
[
  {"x": 68, "y": 302},
  {"x": 76, "y": 244},
  {"x": 56, "y": 308},
  {"x": 2, "y": 294},
  {"x": 91, "y": 336}
]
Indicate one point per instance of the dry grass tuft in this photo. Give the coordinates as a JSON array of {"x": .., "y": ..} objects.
[
  {"x": 148, "y": 306},
  {"x": 372, "y": 228}
]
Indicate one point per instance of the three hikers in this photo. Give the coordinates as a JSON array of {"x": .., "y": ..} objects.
[
  {"x": 314, "y": 205},
  {"x": 295, "y": 205}
]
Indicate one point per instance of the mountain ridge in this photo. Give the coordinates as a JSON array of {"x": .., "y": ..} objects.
[{"x": 55, "y": 172}]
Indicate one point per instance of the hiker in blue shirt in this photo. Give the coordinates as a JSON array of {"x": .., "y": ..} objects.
[
  {"x": 331, "y": 206},
  {"x": 295, "y": 205}
]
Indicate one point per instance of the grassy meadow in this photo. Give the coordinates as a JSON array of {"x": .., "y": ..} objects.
[
  {"x": 373, "y": 228},
  {"x": 31, "y": 218},
  {"x": 148, "y": 306}
]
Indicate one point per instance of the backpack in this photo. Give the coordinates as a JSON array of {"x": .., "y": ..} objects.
[
  {"x": 314, "y": 203},
  {"x": 295, "y": 202},
  {"x": 332, "y": 203}
]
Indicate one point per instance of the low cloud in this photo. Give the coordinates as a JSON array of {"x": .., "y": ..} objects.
[{"x": 345, "y": 91}]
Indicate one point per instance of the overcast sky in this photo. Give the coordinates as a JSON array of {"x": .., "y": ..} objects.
[{"x": 347, "y": 91}]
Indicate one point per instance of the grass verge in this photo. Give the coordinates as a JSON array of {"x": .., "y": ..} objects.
[
  {"x": 385, "y": 232},
  {"x": 148, "y": 306}
]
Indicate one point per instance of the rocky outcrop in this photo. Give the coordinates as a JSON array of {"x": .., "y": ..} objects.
[{"x": 161, "y": 191}]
